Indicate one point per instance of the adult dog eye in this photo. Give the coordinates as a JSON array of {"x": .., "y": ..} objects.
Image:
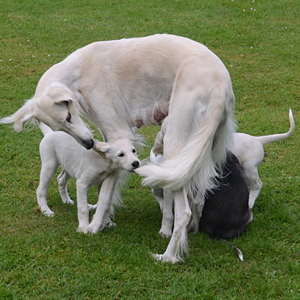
[
  {"x": 68, "y": 118},
  {"x": 121, "y": 154}
]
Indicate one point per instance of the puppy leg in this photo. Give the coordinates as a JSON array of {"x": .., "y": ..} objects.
[
  {"x": 62, "y": 179},
  {"x": 196, "y": 205},
  {"x": 179, "y": 243},
  {"x": 253, "y": 181},
  {"x": 82, "y": 206},
  {"x": 168, "y": 218},
  {"x": 105, "y": 200},
  {"x": 47, "y": 172},
  {"x": 158, "y": 193},
  {"x": 109, "y": 223},
  {"x": 254, "y": 192}
]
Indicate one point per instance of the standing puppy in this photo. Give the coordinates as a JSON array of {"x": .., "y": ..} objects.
[
  {"x": 250, "y": 152},
  {"x": 88, "y": 168}
]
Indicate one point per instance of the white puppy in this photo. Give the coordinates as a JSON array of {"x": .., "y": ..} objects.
[
  {"x": 88, "y": 168},
  {"x": 250, "y": 152}
]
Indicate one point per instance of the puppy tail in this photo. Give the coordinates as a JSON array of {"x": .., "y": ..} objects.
[
  {"x": 156, "y": 159},
  {"x": 44, "y": 128},
  {"x": 276, "y": 137},
  {"x": 21, "y": 117},
  {"x": 205, "y": 151}
]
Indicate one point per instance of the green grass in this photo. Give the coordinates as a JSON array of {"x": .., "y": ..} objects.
[{"x": 45, "y": 258}]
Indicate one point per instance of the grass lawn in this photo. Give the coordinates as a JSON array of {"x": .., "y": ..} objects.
[{"x": 45, "y": 258}]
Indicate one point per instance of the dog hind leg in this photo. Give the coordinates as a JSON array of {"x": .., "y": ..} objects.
[
  {"x": 47, "y": 172},
  {"x": 179, "y": 243},
  {"x": 254, "y": 183},
  {"x": 62, "y": 179},
  {"x": 168, "y": 218}
]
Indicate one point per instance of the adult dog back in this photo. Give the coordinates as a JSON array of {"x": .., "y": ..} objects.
[{"x": 200, "y": 127}]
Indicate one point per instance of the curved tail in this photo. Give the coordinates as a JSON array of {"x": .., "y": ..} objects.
[
  {"x": 195, "y": 166},
  {"x": 44, "y": 128},
  {"x": 277, "y": 137},
  {"x": 21, "y": 117}
]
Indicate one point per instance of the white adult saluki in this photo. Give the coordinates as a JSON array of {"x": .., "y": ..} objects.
[{"x": 133, "y": 82}]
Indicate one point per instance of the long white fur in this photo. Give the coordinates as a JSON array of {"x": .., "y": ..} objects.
[
  {"x": 133, "y": 82},
  {"x": 88, "y": 168}
]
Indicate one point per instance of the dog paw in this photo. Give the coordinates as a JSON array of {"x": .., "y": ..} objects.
[
  {"x": 165, "y": 258},
  {"x": 111, "y": 224},
  {"x": 166, "y": 233},
  {"x": 91, "y": 230},
  {"x": 81, "y": 229},
  {"x": 70, "y": 201},
  {"x": 48, "y": 213}
]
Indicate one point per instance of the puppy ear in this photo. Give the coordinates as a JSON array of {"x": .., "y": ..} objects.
[
  {"x": 101, "y": 147},
  {"x": 60, "y": 93},
  {"x": 21, "y": 117}
]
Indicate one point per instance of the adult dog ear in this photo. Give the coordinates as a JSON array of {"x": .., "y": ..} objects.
[
  {"x": 60, "y": 93},
  {"x": 101, "y": 148},
  {"x": 21, "y": 117}
]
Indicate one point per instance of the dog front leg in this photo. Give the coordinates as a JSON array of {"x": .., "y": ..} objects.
[
  {"x": 168, "y": 218},
  {"x": 105, "y": 200},
  {"x": 82, "y": 206}
]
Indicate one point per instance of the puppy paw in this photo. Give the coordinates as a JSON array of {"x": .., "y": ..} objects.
[
  {"x": 82, "y": 229},
  {"x": 91, "y": 230},
  {"x": 48, "y": 212},
  {"x": 165, "y": 232},
  {"x": 70, "y": 201},
  {"x": 111, "y": 224}
]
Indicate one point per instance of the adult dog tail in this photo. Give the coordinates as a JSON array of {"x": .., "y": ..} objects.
[
  {"x": 195, "y": 166},
  {"x": 44, "y": 128},
  {"x": 21, "y": 117},
  {"x": 277, "y": 137}
]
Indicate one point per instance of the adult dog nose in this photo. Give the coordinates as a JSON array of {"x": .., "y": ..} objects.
[
  {"x": 88, "y": 144},
  {"x": 135, "y": 164}
]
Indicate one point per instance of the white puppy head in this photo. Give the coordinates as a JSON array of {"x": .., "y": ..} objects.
[{"x": 122, "y": 152}]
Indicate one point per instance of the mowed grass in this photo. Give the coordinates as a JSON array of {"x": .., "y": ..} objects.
[{"x": 45, "y": 258}]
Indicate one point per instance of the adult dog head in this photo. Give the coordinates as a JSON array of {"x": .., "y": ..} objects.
[{"x": 56, "y": 107}]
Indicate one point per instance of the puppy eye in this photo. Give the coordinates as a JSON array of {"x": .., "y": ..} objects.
[
  {"x": 68, "y": 118},
  {"x": 121, "y": 154},
  {"x": 133, "y": 151}
]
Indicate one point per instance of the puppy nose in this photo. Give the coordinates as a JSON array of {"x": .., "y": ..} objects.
[{"x": 135, "y": 164}]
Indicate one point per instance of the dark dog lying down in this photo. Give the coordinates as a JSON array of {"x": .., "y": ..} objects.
[{"x": 226, "y": 213}]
